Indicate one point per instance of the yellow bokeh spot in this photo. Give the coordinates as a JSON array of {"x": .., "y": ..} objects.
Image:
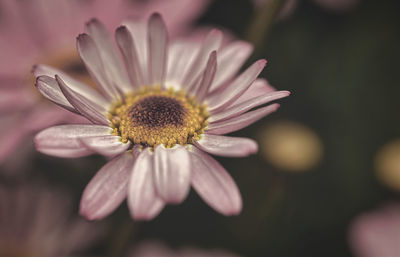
[
  {"x": 387, "y": 164},
  {"x": 133, "y": 118},
  {"x": 290, "y": 146}
]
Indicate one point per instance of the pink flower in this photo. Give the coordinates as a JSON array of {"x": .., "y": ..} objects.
[
  {"x": 43, "y": 31},
  {"x": 158, "y": 117},
  {"x": 156, "y": 249},
  {"x": 376, "y": 233},
  {"x": 36, "y": 221}
]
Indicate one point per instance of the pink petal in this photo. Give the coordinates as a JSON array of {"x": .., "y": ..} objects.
[
  {"x": 128, "y": 49},
  {"x": 237, "y": 109},
  {"x": 172, "y": 173},
  {"x": 49, "y": 88},
  {"x": 259, "y": 87},
  {"x": 64, "y": 140},
  {"x": 108, "y": 188},
  {"x": 113, "y": 66},
  {"x": 211, "y": 43},
  {"x": 214, "y": 184},
  {"x": 139, "y": 34},
  {"x": 92, "y": 111},
  {"x": 108, "y": 145},
  {"x": 239, "y": 122},
  {"x": 201, "y": 91},
  {"x": 227, "y": 146},
  {"x": 158, "y": 49},
  {"x": 77, "y": 86},
  {"x": 218, "y": 100},
  {"x": 143, "y": 201},
  {"x": 181, "y": 55},
  {"x": 91, "y": 58},
  {"x": 231, "y": 58}
]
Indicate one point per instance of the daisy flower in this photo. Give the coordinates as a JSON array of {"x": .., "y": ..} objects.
[
  {"x": 43, "y": 31},
  {"x": 36, "y": 221},
  {"x": 161, "y": 110}
]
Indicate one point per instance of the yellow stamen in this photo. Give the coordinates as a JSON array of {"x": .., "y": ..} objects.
[{"x": 153, "y": 116}]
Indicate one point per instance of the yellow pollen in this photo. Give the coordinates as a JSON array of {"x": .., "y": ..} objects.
[{"x": 153, "y": 116}]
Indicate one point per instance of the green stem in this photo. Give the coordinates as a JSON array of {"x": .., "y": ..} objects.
[
  {"x": 125, "y": 233},
  {"x": 262, "y": 22}
]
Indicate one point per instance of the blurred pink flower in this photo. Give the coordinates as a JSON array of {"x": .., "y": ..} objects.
[
  {"x": 158, "y": 118},
  {"x": 376, "y": 233},
  {"x": 43, "y": 31},
  {"x": 156, "y": 249},
  {"x": 36, "y": 221}
]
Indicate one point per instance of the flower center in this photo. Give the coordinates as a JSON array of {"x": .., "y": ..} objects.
[{"x": 152, "y": 116}]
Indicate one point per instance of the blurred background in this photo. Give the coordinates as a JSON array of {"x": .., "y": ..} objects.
[{"x": 330, "y": 153}]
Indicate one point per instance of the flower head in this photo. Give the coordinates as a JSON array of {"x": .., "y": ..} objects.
[
  {"x": 43, "y": 31},
  {"x": 158, "y": 117}
]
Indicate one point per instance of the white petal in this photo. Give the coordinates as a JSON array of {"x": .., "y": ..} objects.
[
  {"x": 108, "y": 188},
  {"x": 214, "y": 184},
  {"x": 108, "y": 145},
  {"x": 180, "y": 58},
  {"x": 64, "y": 140},
  {"x": 128, "y": 49},
  {"x": 231, "y": 58},
  {"x": 49, "y": 88},
  {"x": 113, "y": 66},
  {"x": 158, "y": 49},
  {"x": 139, "y": 34},
  {"x": 77, "y": 86},
  {"x": 201, "y": 90},
  {"x": 211, "y": 43},
  {"x": 90, "y": 56},
  {"x": 172, "y": 173},
  {"x": 87, "y": 108},
  {"x": 143, "y": 201},
  {"x": 223, "y": 97},
  {"x": 227, "y": 146},
  {"x": 237, "y": 109},
  {"x": 259, "y": 87},
  {"x": 239, "y": 122}
]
